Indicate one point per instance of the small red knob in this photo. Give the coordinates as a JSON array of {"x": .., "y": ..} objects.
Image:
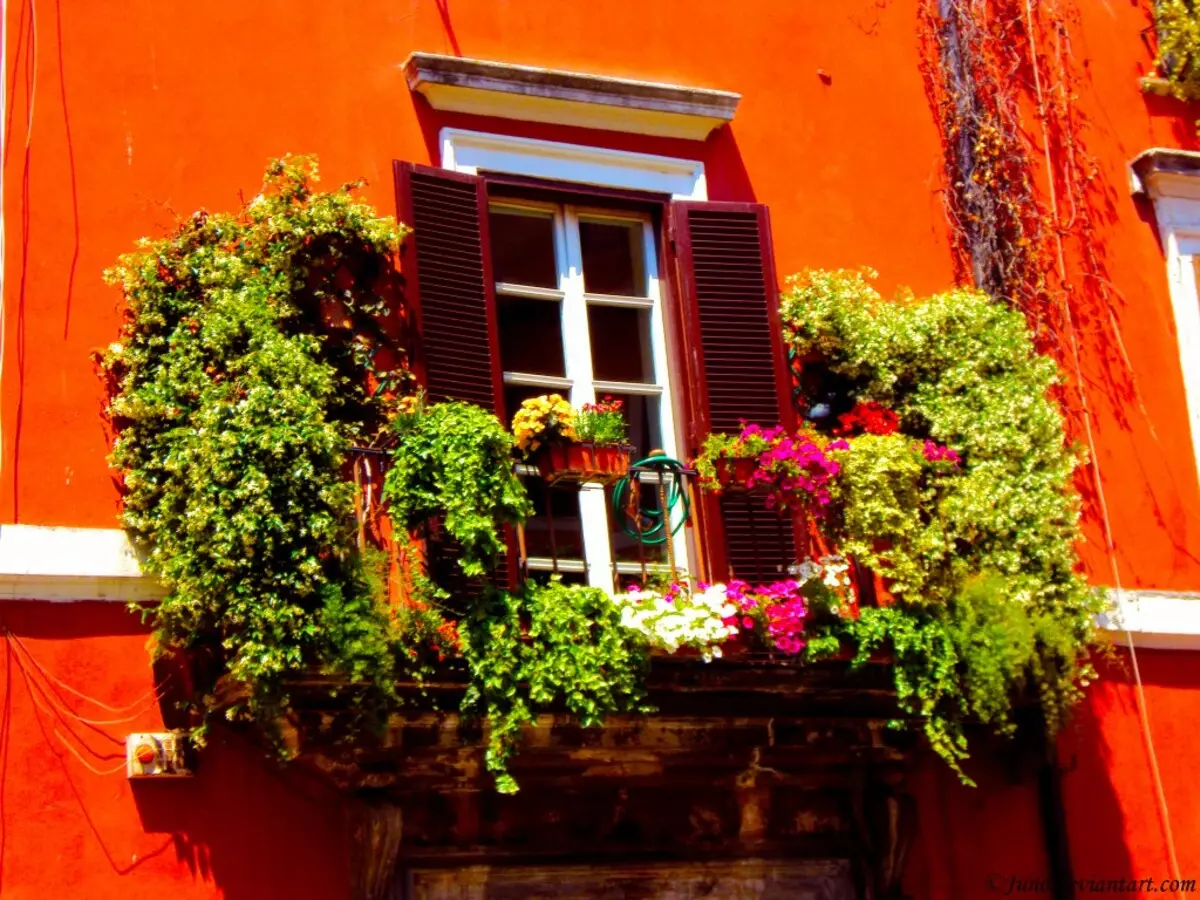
[{"x": 145, "y": 753}]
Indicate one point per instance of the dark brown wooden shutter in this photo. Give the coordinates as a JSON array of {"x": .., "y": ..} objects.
[
  {"x": 736, "y": 367},
  {"x": 449, "y": 285},
  {"x": 450, "y": 289}
]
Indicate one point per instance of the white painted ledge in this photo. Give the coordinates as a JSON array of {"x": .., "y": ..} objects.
[
  {"x": 1158, "y": 620},
  {"x": 532, "y": 94},
  {"x": 40, "y": 562}
]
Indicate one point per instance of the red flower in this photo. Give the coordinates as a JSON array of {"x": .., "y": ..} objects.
[{"x": 870, "y": 417}]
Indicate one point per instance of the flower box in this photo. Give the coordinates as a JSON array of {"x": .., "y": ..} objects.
[
  {"x": 734, "y": 473},
  {"x": 583, "y": 462}
]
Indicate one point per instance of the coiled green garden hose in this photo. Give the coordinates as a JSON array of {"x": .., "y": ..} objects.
[{"x": 658, "y": 524}]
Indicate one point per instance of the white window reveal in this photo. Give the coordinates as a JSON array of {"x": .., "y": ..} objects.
[
  {"x": 580, "y": 313},
  {"x": 1171, "y": 178}
]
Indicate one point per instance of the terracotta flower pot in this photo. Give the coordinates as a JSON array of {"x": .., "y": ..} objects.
[
  {"x": 734, "y": 473},
  {"x": 583, "y": 462}
]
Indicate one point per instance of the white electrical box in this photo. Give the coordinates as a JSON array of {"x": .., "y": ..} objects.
[{"x": 159, "y": 754}]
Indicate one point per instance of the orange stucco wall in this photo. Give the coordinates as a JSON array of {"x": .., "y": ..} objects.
[{"x": 144, "y": 110}]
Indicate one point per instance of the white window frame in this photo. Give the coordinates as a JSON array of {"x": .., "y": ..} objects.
[
  {"x": 1176, "y": 199},
  {"x": 475, "y": 152},
  {"x": 578, "y": 381},
  {"x": 472, "y": 152}
]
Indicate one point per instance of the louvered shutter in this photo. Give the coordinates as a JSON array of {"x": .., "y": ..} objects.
[
  {"x": 449, "y": 285},
  {"x": 736, "y": 367},
  {"x": 450, "y": 289}
]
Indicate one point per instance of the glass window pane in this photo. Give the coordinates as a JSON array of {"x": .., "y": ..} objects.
[
  {"x": 612, "y": 258},
  {"x": 620, "y": 338},
  {"x": 530, "y": 336},
  {"x": 567, "y": 534},
  {"x": 523, "y": 248}
]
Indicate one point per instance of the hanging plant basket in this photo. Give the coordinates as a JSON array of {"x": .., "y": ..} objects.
[
  {"x": 583, "y": 462},
  {"x": 734, "y": 474}
]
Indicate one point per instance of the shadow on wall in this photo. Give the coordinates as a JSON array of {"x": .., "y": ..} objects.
[
  {"x": 991, "y": 840},
  {"x": 725, "y": 171},
  {"x": 1114, "y": 821},
  {"x": 249, "y": 828}
]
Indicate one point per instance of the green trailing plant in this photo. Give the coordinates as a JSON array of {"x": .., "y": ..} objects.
[
  {"x": 545, "y": 646},
  {"x": 250, "y": 360},
  {"x": 456, "y": 460},
  {"x": 968, "y": 510},
  {"x": 1177, "y": 23}
]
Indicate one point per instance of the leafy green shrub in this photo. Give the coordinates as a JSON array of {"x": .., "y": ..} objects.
[
  {"x": 981, "y": 553},
  {"x": 235, "y": 402},
  {"x": 548, "y": 645}
]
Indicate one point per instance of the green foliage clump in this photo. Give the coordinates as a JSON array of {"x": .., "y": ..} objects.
[
  {"x": 235, "y": 405},
  {"x": 980, "y": 555},
  {"x": 1178, "y": 25},
  {"x": 457, "y": 460},
  {"x": 545, "y": 646}
]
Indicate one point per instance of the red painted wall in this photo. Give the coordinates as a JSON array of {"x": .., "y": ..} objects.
[{"x": 141, "y": 111}]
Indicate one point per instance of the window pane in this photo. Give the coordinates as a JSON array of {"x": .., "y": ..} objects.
[
  {"x": 523, "y": 248},
  {"x": 514, "y": 394},
  {"x": 612, "y": 258},
  {"x": 530, "y": 336},
  {"x": 620, "y": 339},
  {"x": 567, "y": 534}
]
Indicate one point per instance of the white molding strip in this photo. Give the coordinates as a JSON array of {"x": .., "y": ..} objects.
[
  {"x": 1157, "y": 620},
  {"x": 40, "y": 562},
  {"x": 44, "y": 562},
  {"x": 472, "y": 152},
  {"x": 532, "y": 94}
]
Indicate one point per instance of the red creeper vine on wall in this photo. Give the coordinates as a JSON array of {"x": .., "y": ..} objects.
[{"x": 1023, "y": 194}]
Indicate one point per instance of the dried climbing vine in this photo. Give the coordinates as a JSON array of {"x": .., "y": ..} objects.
[{"x": 1023, "y": 196}]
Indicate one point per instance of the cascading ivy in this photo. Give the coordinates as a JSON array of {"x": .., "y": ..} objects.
[
  {"x": 455, "y": 460},
  {"x": 548, "y": 645},
  {"x": 981, "y": 553},
  {"x": 239, "y": 382}
]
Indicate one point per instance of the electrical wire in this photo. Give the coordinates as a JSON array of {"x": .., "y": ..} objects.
[
  {"x": 64, "y": 709},
  {"x": 1110, "y": 542},
  {"x": 155, "y": 694},
  {"x": 40, "y": 707},
  {"x": 3, "y": 166}
]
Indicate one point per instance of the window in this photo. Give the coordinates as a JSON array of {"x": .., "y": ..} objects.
[
  {"x": 1171, "y": 179},
  {"x": 520, "y": 291},
  {"x": 579, "y": 312}
]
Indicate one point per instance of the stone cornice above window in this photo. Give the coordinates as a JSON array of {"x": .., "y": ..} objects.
[
  {"x": 1163, "y": 172},
  {"x": 533, "y": 94}
]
